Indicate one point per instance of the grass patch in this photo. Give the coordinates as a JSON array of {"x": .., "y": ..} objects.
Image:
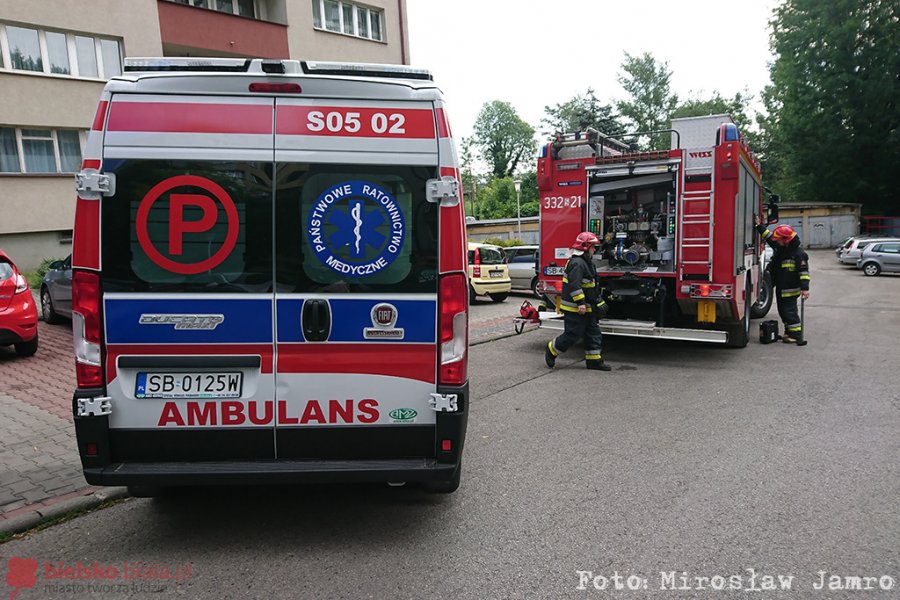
[{"x": 7, "y": 537}]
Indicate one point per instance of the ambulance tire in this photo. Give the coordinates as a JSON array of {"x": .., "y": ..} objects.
[
  {"x": 766, "y": 296},
  {"x": 145, "y": 491},
  {"x": 445, "y": 487},
  {"x": 499, "y": 297}
]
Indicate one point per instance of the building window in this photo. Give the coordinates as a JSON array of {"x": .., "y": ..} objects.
[
  {"x": 242, "y": 8},
  {"x": 24, "y": 150},
  {"x": 349, "y": 19},
  {"x": 59, "y": 53}
]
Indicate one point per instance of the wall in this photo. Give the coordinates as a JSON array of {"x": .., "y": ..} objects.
[{"x": 307, "y": 43}]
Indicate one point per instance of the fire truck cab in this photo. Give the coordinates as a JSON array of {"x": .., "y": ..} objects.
[
  {"x": 680, "y": 258},
  {"x": 270, "y": 277}
]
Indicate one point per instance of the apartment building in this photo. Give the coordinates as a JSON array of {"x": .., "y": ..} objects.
[{"x": 55, "y": 56}]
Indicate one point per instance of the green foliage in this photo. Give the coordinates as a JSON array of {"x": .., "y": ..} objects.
[
  {"x": 497, "y": 199},
  {"x": 738, "y": 107},
  {"x": 504, "y": 243},
  {"x": 579, "y": 113},
  {"x": 651, "y": 101},
  {"x": 37, "y": 276},
  {"x": 834, "y": 106},
  {"x": 503, "y": 138}
]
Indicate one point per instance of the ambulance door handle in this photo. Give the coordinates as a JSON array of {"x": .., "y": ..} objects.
[{"x": 316, "y": 320}]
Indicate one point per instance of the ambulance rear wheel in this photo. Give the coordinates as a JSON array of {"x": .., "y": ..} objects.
[
  {"x": 145, "y": 491},
  {"x": 445, "y": 487},
  {"x": 499, "y": 297}
]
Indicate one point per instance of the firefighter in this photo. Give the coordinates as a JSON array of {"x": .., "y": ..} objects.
[
  {"x": 581, "y": 305},
  {"x": 790, "y": 272}
]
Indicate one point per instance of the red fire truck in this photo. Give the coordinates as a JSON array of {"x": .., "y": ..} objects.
[{"x": 680, "y": 258}]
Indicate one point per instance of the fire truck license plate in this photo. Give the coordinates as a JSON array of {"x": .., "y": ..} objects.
[
  {"x": 189, "y": 385},
  {"x": 554, "y": 270}
]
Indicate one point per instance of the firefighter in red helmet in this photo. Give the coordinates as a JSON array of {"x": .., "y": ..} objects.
[
  {"x": 790, "y": 272},
  {"x": 581, "y": 305}
]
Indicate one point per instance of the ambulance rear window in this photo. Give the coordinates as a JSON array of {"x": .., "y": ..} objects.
[
  {"x": 188, "y": 226},
  {"x": 355, "y": 228}
]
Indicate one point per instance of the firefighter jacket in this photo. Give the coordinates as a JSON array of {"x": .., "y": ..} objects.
[
  {"x": 580, "y": 286},
  {"x": 790, "y": 265}
]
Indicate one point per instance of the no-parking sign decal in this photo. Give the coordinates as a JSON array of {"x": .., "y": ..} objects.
[{"x": 186, "y": 193}]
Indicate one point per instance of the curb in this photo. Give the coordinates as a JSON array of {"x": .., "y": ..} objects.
[{"x": 36, "y": 514}]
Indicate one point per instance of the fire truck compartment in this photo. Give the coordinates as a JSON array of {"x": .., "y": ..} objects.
[{"x": 635, "y": 217}]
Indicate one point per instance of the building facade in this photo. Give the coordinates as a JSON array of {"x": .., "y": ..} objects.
[{"x": 56, "y": 55}]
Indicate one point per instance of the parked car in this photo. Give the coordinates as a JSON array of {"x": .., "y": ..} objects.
[
  {"x": 880, "y": 256},
  {"x": 488, "y": 274},
  {"x": 521, "y": 261},
  {"x": 853, "y": 249},
  {"x": 56, "y": 291},
  {"x": 18, "y": 312}
]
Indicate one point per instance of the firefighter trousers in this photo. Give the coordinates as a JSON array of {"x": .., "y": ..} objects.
[
  {"x": 578, "y": 327},
  {"x": 790, "y": 316}
]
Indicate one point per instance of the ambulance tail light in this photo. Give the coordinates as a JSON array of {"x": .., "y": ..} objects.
[
  {"x": 86, "y": 328},
  {"x": 275, "y": 88},
  {"x": 453, "y": 325}
]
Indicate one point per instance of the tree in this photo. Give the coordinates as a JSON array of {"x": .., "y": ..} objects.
[
  {"x": 503, "y": 138},
  {"x": 497, "y": 199},
  {"x": 738, "y": 107},
  {"x": 579, "y": 113},
  {"x": 834, "y": 104},
  {"x": 651, "y": 100}
]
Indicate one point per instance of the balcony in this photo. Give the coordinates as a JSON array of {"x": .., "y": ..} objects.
[{"x": 189, "y": 31}]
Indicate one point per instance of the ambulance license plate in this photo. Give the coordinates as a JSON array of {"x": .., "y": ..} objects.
[
  {"x": 496, "y": 273},
  {"x": 189, "y": 385}
]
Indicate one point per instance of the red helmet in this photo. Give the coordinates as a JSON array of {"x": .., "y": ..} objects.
[
  {"x": 585, "y": 240},
  {"x": 784, "y": 232}
]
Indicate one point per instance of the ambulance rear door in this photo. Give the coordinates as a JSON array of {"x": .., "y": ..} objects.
[
  {"x": 187, "y": 278},
  {"x": 356, "y": 277}
]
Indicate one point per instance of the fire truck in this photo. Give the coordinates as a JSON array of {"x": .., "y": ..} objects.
[{"x": 679, "y": 256}]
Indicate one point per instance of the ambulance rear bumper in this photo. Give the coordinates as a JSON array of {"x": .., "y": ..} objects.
[{"x": 270, "y": 472}]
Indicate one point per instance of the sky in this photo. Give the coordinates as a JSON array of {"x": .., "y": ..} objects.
[{"x": 536, "y": 53}]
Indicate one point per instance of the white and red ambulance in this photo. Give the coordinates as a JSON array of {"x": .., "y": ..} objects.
[{"x": 269, "y": 277}]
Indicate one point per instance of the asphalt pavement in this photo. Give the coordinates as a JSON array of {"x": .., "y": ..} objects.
[{"x": 685, "y": 468}]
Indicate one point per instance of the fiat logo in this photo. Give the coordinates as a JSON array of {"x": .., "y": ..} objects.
[{"x": 384, "y": 315}]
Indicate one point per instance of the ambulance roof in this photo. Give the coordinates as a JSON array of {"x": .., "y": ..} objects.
[{"x": 178, "y": 75}]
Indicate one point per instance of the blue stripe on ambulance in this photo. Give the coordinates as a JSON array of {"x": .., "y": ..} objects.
[
  {"x": 350, "y": 317},
  {"x": 247, "y": 321}
]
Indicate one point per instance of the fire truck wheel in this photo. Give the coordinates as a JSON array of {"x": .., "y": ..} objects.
[
  {"x": 498, "y": 297},
  {"x": 764, "y": 304},
  {"x": 534, "y": 290},
  {"x": 739, "y": 334},
  {"x": 445, "y": 487}
]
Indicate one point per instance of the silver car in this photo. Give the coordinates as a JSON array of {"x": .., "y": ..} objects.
[
  {"x": 56, "y": 292},
  {"x": 521, "y": 261},
  {"x": 853, "y": 249},
  {"x": 880, "y": 256}
]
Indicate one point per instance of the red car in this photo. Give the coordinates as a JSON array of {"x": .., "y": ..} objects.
[{"x": 18, "y": 312}]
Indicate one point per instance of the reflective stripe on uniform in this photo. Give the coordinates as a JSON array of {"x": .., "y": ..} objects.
[
  {"x": 552, "y": 349},
  {"x": 591, "y": 356},
  {"x": 793, "y": 328},
  {"x": 790, "y": 293},
  {"x": 578, "y": 296},
  {"x": 804, "y": 277},
  {"x": 571, "y": 306}
]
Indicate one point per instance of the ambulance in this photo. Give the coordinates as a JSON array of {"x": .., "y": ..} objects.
[{"x": 269, "y": 277}]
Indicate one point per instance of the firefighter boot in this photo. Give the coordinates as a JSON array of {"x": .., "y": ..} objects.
[
  {"x": 549, "y": 356},
  {"x": 597, "y": 365}
]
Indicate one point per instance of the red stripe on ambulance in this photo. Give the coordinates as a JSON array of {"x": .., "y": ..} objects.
[
  {"x": 190, "y": 118},
  {"x": 86, "y": 239},
  {"x": 410, "y": 361},
  {"x": 344, "y": 121}
]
